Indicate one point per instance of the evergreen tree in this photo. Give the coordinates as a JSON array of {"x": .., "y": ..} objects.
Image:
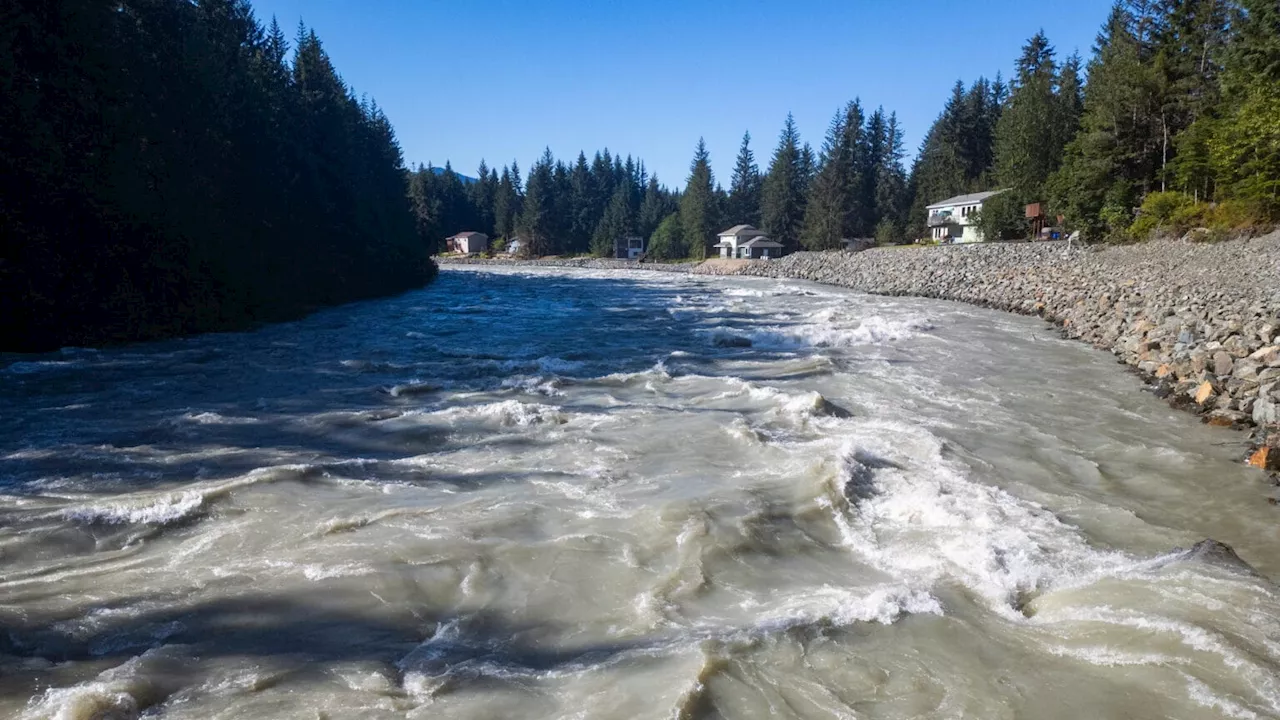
[
  {"x": 667, "y": 241},
  {"x": 1029, "y": 140},
  {"x": 950, "y": 162},
  {"x": 506, "y": 205},
  {"x": 536, "y": 220},
  {"x": 698, "y": 211},
  {"x": 782, "y": 203},
  {"x": 743, "y": 205},
  {"x": 617, "y": 223},
  {"x": 1114, "y": 159},
  {"x": 831, "y": 192},
  {"x": 177, "y": 171},
  {"x": 654, "y": 208},
  {"x": 582, "y": 205},
  {"x": 891, "y": 192},
  {"x": 1244, "y": 146}
]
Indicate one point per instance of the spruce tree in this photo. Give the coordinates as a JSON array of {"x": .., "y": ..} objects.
[
  {"x": 830, "y": 194},
  {"x": 782, "y": 203},
  {"x": 1244, "y": 145},
  {"x": 698, "y": 212},
  {"x": 667, "y": 241},
  {"x": 743, "y": 206},
  {"x": 1114, "y": 159},
  {"x": 617, "y": 223},
  {"x": 536, "y": 220},
  {"x": 891, "y": 192},
  {"x": 654, "y": 208}
]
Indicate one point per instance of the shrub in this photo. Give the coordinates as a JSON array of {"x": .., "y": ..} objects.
[{"x": 1157, "y": 211}]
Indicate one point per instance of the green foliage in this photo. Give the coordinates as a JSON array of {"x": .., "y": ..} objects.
[
  {"x": 889, "y": 232},
  {"x": 783, "y": 198},
  {"x": 1003, "y": 217},
  {"x": 1245, "y": 148},
  {"x": 616, "y": 224},
  {"x": 667, "y": 242},
  {"x": 1040, "y": 117},
  {"x": 957, "y": 153},
  {"x": 743, "y": 206},
  {"x": 1158, "y": 212},
  {"x": 1176, "y": 213},
  {"x": 169, "y": 170},
  {"x": 698, "y": 206}
]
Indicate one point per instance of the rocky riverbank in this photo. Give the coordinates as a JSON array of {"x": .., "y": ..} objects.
[{"x": 1200, "y": 322}]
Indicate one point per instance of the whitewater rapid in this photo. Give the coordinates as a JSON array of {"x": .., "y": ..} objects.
[{"x": 573, "y": 494}]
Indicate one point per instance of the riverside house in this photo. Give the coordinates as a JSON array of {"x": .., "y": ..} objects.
[
  {"x": 467, "y": 243},
  {"x": 953, "y": 219},
  {"x": 629, "y": 247},
  {"x": 746, "y": 242}
]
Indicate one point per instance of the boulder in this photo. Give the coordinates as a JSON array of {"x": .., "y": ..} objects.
[
  {"x": 1212, "y": 552},
  {"x": 1266, "y": 458},
  {"x": 1204, "y": 393},
  {"x": 1223, "y": 363},
  {"x": 1268, "y": 356}
]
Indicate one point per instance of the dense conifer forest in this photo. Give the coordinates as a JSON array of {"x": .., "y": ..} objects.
[
  {"x": 1173, "y": 123},
  {"x": 174, "y": 167}
]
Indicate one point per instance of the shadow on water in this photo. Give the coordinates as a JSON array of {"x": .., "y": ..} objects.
[{"x": 314, "y": 391}]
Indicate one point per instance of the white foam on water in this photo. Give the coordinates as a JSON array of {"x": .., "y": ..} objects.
[
  {"x": 158, "y": 510},
  {"x": 169, "y": 507},
  {"x": 507, "y": 413},
  {"x": 31, "y": 367},
  {"x": 213, "y": 418},
  {"x": 843, "y": 606},
  {"x": 871, "y": 330},
  {"x": 928, "y": 523},
  {"x": 535, "y": 385},
  {"x": 123, "y": 692}
]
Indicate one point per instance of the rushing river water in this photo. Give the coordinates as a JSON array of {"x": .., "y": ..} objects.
[{"x": 624, "y": 495}]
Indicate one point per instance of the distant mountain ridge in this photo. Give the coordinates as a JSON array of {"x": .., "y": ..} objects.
[{"x": 466, "y": 179}]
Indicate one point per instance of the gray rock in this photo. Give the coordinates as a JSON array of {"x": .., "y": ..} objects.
[{"x": 1222, "y": 363}]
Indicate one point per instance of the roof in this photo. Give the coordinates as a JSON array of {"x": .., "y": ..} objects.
[
  {"x": 969, "y": 199},
  {"x": 762, "y": 242},
  {"x": 739, "y": 230},
  {"x": 465, "y": 235}
]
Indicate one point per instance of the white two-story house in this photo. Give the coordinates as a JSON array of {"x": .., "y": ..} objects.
[
  {"x": 744, "y": 241},
  {"x": 952, "y": 220}
]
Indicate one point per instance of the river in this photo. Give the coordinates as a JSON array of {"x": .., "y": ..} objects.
[{"x": 573, "y": 494}]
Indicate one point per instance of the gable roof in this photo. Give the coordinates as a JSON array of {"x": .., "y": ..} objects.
[
  {"x": 969, "y": 199},
  {"x": 465, "y": 235},
  {"x": 740, "y": 230},
  {"x": 761, "y": 242}
]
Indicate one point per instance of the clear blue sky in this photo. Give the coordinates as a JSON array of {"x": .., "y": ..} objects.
[{"x": 472, "y": 79}]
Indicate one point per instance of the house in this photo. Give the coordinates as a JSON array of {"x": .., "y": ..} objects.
[
  {"x": 744, "y": 241},
  {"x": 953, "y": 219},
  {"x": 629, "y": 247},
  {"x": 467, "y": 243},
  {"x": 517, "y": 246}
]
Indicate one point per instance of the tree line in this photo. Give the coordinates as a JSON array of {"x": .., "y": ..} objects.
[
  {"x": 559, "y": 208},
  {"x": 174, "y": 167},
  {"x": 1178, "y": 125},
  {"x": 856, "y": 186}
]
